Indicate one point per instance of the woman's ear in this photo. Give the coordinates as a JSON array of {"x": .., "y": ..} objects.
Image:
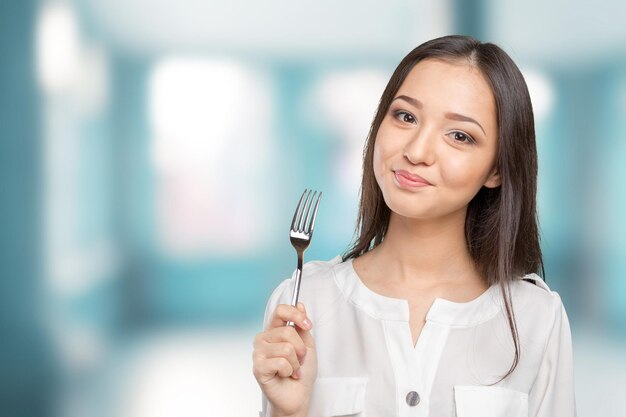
[{"x": 494, "y": 180}]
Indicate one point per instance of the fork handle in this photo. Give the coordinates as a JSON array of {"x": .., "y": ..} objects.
[{"x": 296, "y": 289}]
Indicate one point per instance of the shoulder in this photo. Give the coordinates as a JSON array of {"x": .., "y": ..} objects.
[
  {"x": 317, "y": 285},
  {"x": 320, "y": 270},
  {"x": 532, "y": 293},
  {"x": 531, "y": 285},
  {"x": 313, "y": 273},
  {"x": 538, "y": 309}
]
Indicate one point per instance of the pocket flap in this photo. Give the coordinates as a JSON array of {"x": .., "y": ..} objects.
[
  {"x": 474, "y": 401},
  {"x": 338, "y": 396}
]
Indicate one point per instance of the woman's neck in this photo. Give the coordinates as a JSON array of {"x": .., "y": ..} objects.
[{"x": 431, "y": 251}]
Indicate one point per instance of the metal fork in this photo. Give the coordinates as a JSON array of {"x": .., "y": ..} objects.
[{"x": 301, "y": 233}]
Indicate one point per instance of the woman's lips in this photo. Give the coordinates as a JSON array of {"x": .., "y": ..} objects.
[{"x": 406, "y": 179}]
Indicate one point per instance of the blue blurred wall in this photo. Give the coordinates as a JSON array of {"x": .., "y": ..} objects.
[{"x": 25, "y": 364}]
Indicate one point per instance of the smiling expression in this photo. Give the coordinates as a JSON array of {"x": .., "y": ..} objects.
[{"x": 437, "y": 145}]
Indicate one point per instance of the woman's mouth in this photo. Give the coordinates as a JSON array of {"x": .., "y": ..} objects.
[{"x": 407, "y": 180}]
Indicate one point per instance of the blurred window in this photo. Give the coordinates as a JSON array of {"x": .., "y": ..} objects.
[{"x": 210, "y": 122}]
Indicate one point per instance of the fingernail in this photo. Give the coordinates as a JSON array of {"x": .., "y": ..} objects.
[
  {"x": 307, "y": 324},
  {"x": 296, "y": 374}
]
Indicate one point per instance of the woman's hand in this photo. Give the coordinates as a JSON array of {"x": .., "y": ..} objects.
[{"x": 285, "y": 361}]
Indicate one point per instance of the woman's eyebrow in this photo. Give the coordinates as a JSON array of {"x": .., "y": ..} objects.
[
  {"x": 413, "y": 101},
  {"x": 461, "y": 118}
]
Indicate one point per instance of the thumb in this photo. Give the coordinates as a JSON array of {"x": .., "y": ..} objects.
[
  {"x": 301, "y": 307},
  {"x": 306, "y": 335}
]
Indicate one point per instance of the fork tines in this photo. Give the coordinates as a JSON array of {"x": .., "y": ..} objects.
[{"x": 304, "y": 216}]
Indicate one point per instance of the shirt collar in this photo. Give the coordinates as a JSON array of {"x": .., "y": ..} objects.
[{"x": 470, "y": 313}]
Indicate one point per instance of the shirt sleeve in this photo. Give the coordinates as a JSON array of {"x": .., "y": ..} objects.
[
  {"x": 552, "y": 394},
  {"x": 281, "y": 295}
]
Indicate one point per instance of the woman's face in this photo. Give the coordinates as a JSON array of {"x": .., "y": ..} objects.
[{"x": 437, "y": 144}]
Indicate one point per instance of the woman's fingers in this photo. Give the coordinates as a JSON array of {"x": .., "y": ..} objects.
[
  {"x": 276, "y": 352},
  {"x": 269, "y": 367},
  {"x": 280, "y": 335},
  {"x": 282, "y": 350},
  {"x": 286, "y": 312}
]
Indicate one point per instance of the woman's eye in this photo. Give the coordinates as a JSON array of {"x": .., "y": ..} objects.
[
  {"x": 405, "y": 117},
  {"x": 462, "y": 137}
]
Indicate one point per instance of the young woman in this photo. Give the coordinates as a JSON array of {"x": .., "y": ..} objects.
[{"x": 437, "y": 310}]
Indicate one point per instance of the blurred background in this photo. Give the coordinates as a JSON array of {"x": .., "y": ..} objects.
[{"x": 152, "y": 152}]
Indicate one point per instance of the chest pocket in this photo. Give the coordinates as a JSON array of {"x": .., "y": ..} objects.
[
  {"x": 479, "y": 401},
  {"x": 338, "y": 396}
]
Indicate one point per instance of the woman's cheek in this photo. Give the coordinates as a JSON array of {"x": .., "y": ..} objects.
[
  {"x": 461, "y": 171},
  {"x": 454, "y": 173},
  {"x": 376, "y": 158}
]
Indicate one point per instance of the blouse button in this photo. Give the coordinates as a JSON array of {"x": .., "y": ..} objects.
[{"x": 412, "y": 398}]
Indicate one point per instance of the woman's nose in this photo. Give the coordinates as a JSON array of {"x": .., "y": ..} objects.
[{"x": 420, "y": 148}]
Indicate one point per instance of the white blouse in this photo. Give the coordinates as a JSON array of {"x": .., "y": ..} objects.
[{"x": 369, "y": 367}]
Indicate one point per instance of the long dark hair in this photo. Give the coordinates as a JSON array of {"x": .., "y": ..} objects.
[{"x": 501, "y": 223}]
